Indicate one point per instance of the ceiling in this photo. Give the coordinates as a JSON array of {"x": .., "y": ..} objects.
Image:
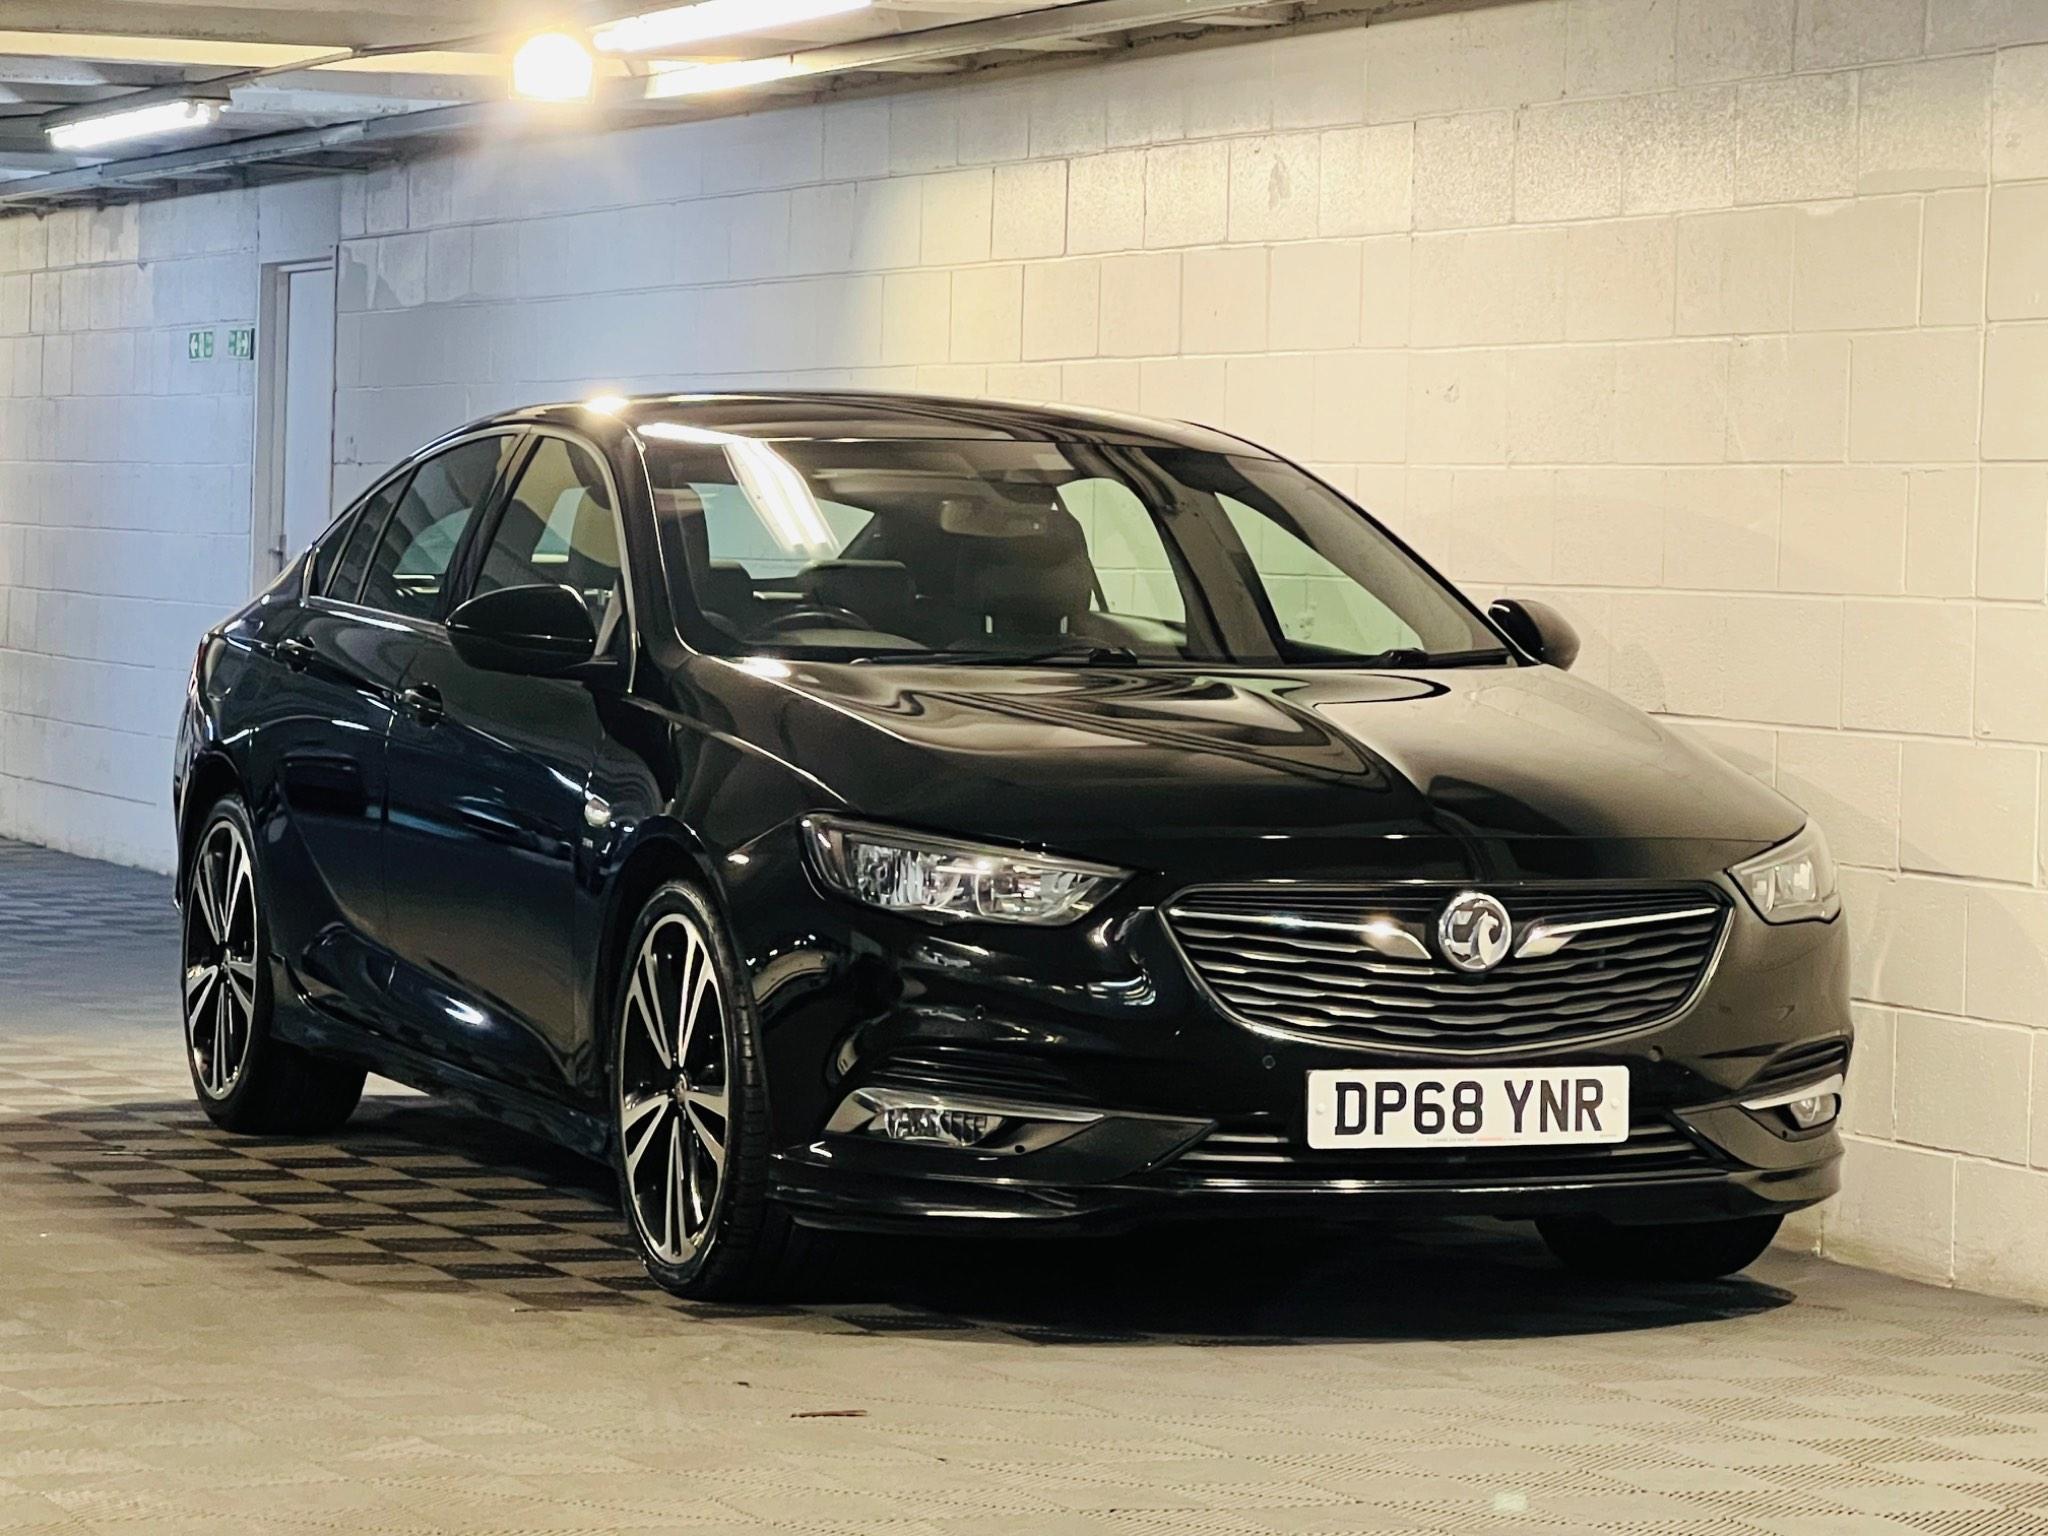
[{"x": 325, "y": 85}]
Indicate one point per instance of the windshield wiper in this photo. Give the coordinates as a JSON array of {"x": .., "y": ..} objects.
[
  {"x": 1411, "y": 656},
  {"x": 1063, "y": 656}
]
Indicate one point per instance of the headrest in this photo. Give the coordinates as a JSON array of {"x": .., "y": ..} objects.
[
  {"x": 597, "y": 531},
  {"x": 1029, "y": 593},
  {"x": 1037, "y": 576},
  {"x": 874, "y": 589},
  {"x": 727, "y": 587}
]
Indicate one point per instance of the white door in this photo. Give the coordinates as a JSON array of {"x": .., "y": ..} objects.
[
  {"x": 294, "y": 414},
  {"x": 308, "y": 427}
]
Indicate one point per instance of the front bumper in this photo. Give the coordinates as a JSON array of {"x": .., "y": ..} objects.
[
  {"x": 1124, "y": 1170},
  {"x": 1192, "y": 1113}
]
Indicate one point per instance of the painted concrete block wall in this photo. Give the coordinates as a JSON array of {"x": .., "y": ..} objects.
[
  {"x": 124, "y": 492},
  {"x": 1724, "y": 323}
]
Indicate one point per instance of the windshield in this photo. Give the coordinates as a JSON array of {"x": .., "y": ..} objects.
[{"x": 1049, "y": 552}]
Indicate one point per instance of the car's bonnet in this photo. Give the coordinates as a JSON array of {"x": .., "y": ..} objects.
[{"x": 1107, "y": 758}]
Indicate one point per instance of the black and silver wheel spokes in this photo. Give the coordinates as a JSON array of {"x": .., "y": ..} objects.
[
  {"x": 674, "y": 1083},
  {"x": 220, "y": 960}
]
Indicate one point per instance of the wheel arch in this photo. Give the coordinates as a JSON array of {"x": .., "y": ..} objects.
[
  {"x": 664, "y": 851},
  {"x": 211, "y": 775}
]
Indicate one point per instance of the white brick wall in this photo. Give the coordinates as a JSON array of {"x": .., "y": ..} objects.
[
  {"x": 124, "y": 492},
  {"x": 1724, "y": 322}
]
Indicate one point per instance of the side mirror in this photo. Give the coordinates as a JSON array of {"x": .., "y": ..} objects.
[
  {"x": 539, "y": 631},
  {"x": 1538, "y": 631}
]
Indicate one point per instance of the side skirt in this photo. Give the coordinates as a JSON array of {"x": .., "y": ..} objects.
[{"x": 577, "y": 1129}]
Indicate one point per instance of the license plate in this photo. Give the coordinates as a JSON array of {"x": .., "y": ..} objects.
[{"x": 1461, "y": 1107}]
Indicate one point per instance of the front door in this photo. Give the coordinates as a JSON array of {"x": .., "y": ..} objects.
[{"x": 491, "y": 818}]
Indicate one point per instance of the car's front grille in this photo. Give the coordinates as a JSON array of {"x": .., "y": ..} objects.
[
  {"x": 1257, "y": 1152},
  {"x": 1300, "y": 960}
]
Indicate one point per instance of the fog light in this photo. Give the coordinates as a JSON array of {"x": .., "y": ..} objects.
[
  {"x": 1815, "y": 1109},
  {"x": 1808, "y": 1107},
  {"x": 933, "y": 1120},
  {"x": 928, "y": 1122}
]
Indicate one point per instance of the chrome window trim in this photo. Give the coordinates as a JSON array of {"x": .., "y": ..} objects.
[
  {"x": 525, "y": 433},
  {"x": 379, "y": 616}
]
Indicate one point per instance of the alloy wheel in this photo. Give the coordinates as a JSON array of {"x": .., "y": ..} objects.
[
  {"x": 675, "y": 1078},
  {"x": 220, "y": 960}
]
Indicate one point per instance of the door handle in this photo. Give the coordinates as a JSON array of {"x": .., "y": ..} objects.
[
  {"x": 423, "y": 703},
  {"x": 296, "y": 654}
]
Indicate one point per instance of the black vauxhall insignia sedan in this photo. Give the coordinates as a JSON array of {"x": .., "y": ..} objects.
[{"x": 866, "y": 812}]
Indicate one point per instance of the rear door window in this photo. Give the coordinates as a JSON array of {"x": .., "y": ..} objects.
[
  {"x": 410, "y": 569},
  {"x": 352, "y": 557}
]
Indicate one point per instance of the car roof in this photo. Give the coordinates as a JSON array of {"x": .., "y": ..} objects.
[{"x": 839, "y": 416}]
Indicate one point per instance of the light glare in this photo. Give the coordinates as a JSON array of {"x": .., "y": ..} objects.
[
  {"x": 769, "y": 481},
  {"x": 553, "y": 66},
  {"x": 684, "y": 24}
]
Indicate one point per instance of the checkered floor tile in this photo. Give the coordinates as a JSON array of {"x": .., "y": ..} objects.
[{"x": 429, "y": 1323}]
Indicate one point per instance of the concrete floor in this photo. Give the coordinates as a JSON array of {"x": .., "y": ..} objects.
[{"x": 428, "y": 1324}]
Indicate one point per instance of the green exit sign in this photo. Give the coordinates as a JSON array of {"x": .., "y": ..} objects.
[
  {"x": 199, "y": 345},
  {"x": 242, "y": 343}
]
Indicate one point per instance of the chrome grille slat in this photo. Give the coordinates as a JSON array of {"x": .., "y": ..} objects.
[
  {"x": 1503, "y": 1024},
  {"x": 1313, "y": 980},
  {"x": 1412, "y": 1009},
  {"x": 1430, "y": 990}
]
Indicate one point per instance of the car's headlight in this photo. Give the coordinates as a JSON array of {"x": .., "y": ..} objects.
[
  {"x": 936, "y": 877},
  {"x": 1793, "y": 882}
]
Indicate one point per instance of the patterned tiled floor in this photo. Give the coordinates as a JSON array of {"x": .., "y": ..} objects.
[{"x": 427, "y": 1324}]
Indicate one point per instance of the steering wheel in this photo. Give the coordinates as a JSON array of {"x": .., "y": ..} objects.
[{"x": 812, "y": 618}]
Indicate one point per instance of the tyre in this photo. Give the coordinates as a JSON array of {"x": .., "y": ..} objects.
[
  {"x": 246, "y": 1080},
  {"x": 690, "y": 1118},
  {"x": 1691, "y": 1250}
]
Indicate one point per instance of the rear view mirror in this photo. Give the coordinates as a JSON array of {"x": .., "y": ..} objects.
[
  {"x": 989, "y": 520},
  {"x": 538, "y": 631},
  {"x": 1538, "y": 631}
]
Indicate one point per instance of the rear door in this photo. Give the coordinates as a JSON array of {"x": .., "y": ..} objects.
[
  {"x": 317, "y": 762},
  {"x": 491, "y": 815},
  {"x": 345, "y": 662}
]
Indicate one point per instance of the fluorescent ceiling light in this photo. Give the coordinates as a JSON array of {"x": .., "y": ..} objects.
[
  {"x": 552, "y": 66},
  {"x": 702, "y": 79},
  {"x": 122, "y": 48},
  {"x": 136, "y": 123},
  {"x": 686, "y": 24}
]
